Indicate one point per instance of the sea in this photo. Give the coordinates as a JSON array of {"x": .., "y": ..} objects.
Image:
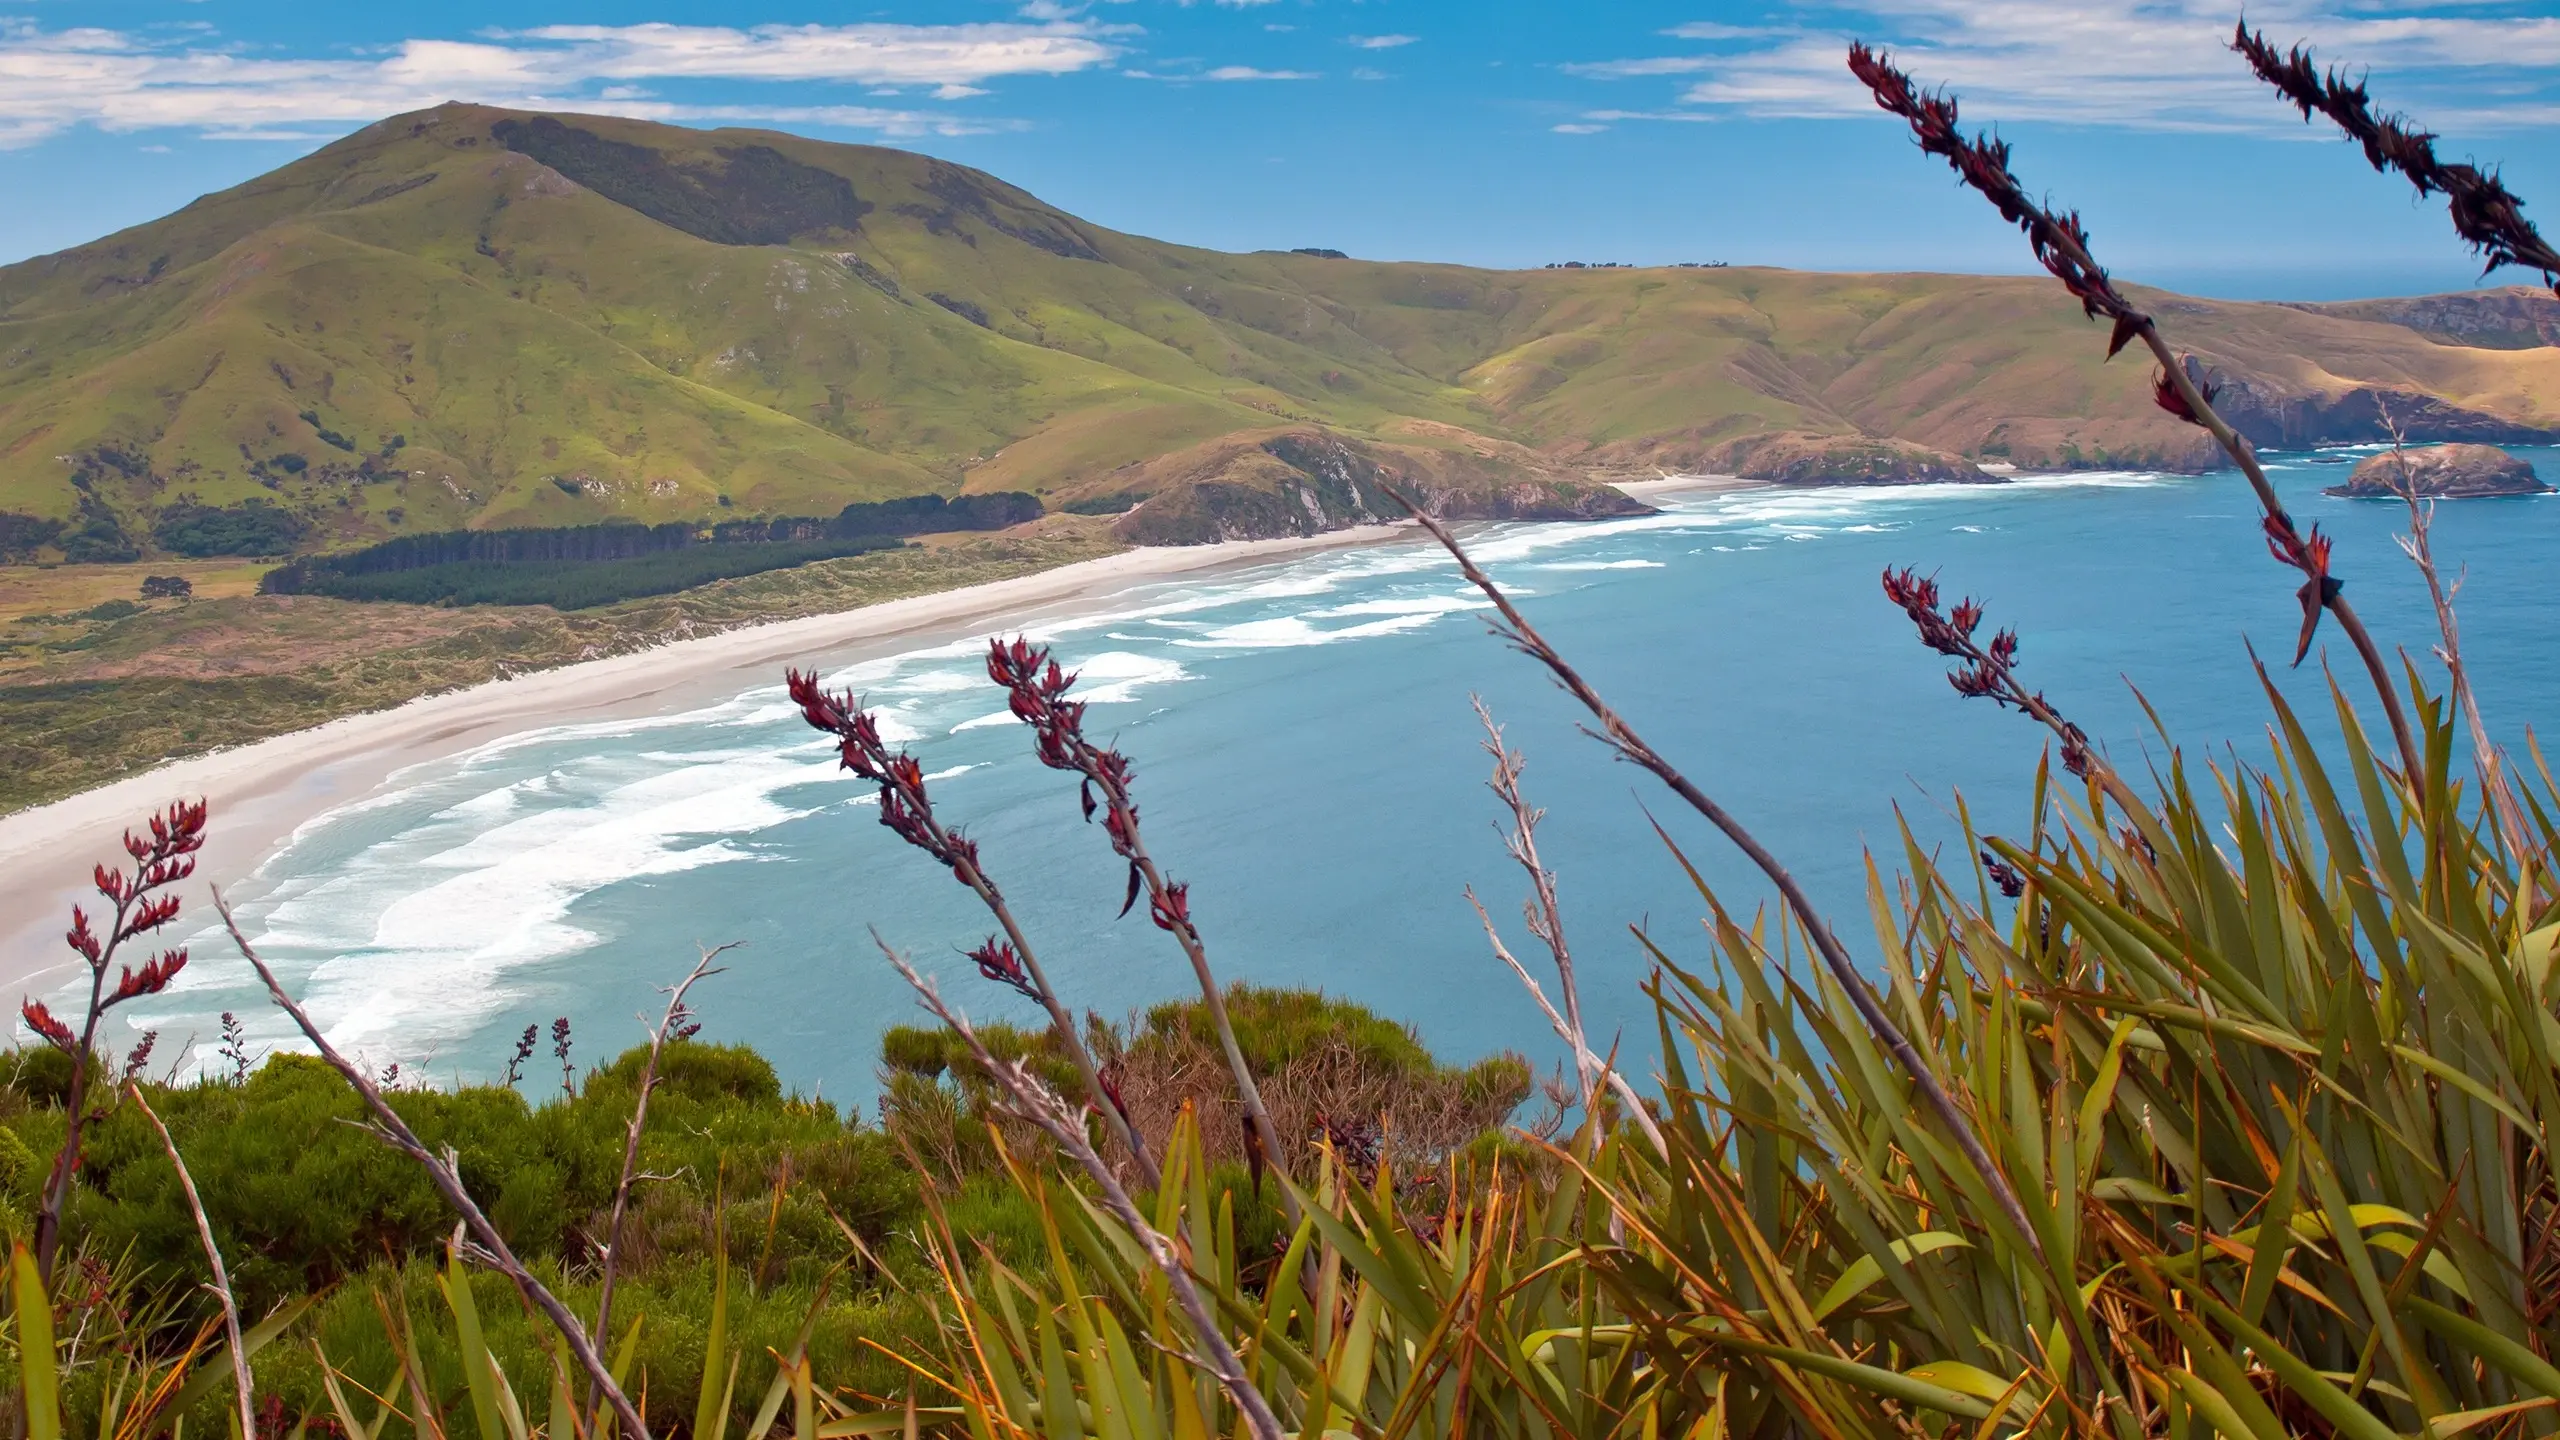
[{"x": 1308, "y": 761}]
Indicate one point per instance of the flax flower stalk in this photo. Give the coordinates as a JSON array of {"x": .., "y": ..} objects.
[
  {"x": 2488, "y": 217},
  {"x": 137, "y": 905},
  {"x": 908, "y": 812},
  {"x": 1024, "y": 1096},
  {"x": 1036, "y": 687},
  {"x": 2061, "y": 244},
  {"x": 1622, "y": 738}
]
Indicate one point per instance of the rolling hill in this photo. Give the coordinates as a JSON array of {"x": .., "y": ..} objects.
[{"x": 469, "y": 317}]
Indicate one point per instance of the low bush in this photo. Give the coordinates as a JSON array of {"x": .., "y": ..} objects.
[{"x": 252, "y": 527}]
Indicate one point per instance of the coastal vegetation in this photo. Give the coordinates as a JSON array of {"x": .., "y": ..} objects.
[
  {"x": 89, "y": 693},
  {"x": 575, "y": 567},
  {"x": 567, "y": 584},
  {"x": 2196, "y": 1099}
]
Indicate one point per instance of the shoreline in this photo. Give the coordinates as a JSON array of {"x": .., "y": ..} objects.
[{"x": 263, "y": 793}]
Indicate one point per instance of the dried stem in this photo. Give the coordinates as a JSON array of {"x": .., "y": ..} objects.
[
  {"x": 908, "y": 812},
  {"x": 2419, "y": 547},
  {"x": 1571, "y": 1033},
  {"x": 1546, "y": 921},
  {"x": 1037, "y": 688},
  {"x": 221, "y": 1286},
  {"x": 441, "y": 1172},
  {"x": 1026, "y": 1098},
  {"x": 2061, "y": 244},
  {"x": 1622, "y": 738},
  {"x": 703, "y": 969}
]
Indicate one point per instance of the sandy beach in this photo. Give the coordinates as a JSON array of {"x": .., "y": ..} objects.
[{"x": 260, "y": 794}]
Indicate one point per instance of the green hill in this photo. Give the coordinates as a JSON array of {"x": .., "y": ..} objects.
[{"x": 469, "y": 317}]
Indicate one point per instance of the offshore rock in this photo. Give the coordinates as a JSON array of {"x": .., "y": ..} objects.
[{"x": 2443, "y": 472}]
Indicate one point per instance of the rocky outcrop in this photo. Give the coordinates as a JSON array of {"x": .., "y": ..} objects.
[
  {"x": 1798, "y": 458},
  {"x": 2443, "y": 472},
  {"x": 2274, "y": 420},
  {"x": 1305, "y": 482},
  {"x": 2511, "y": 317}
]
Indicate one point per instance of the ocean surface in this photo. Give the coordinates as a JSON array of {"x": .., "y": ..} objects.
[{"x": 1307, "y": 760}]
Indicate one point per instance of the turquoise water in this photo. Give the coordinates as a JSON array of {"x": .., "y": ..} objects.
[{"x": 1306, "y": 759}]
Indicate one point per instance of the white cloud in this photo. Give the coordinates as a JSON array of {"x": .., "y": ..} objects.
[
  {"x": 1651, "y": 65},
  {"x": 2148, "y": 64},
  {"x": 1686, "y": 117},
  {"x": 1578, "y": 128},
  {"x": 1712, "y": 30},
  {"x": 1382, "y": 42},
  {"x": 52, "y": 80},
  {"x": 1247, "y": 72},
  {"x": 1365, "y": 73}
]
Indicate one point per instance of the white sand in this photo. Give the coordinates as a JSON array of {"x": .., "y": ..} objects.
[
  {"x": 1677, "y": 484},
  {"x": 260, "y": 794}
]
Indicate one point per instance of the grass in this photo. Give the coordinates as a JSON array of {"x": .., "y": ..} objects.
[
  {"x": 130, "y": 697},
  {"x": 27, "y": 590}
]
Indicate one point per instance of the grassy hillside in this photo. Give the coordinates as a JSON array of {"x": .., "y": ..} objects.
[{"x": 467, "y": 317}]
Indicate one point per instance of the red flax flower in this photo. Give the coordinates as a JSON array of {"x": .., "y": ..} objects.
[
  {"x": 2003, "y": 874},
  {"x": 1036, "y": 691},
  {"x": 2166, "y": 396},
  {"x": 1989, "y": 670},
  {"x": 904, "y": 807},
  {"x": 2311, "y": 557},
  {"x": 998, "y": 961},
  {"x": 40, "y": 1020}
]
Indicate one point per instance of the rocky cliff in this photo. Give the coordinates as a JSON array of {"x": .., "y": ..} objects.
[
  {"x": 1307, "y": 481},
  {"x": 1798, "y": 458}
]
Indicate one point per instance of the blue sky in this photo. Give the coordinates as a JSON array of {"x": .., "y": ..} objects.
[{"x": 1490, "y": 132}]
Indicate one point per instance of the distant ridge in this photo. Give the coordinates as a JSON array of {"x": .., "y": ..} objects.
[{"x": 471, "y": 318}]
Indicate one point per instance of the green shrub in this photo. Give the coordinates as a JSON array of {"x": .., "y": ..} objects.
[
  {"x": 253, "y": 527},
  {"x": 1276, "y": 1026}
]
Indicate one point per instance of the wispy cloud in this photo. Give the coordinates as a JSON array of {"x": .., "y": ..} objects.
[
  {"x": 1248, "y": 72},
  {"x": 51, "y": 80},
  {"x": 1383, "y": 42},
  {"x": 1714, "y": 30},
  {"x": 2145, "y": 64},
  {"x": 1650, "y": 65}
]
